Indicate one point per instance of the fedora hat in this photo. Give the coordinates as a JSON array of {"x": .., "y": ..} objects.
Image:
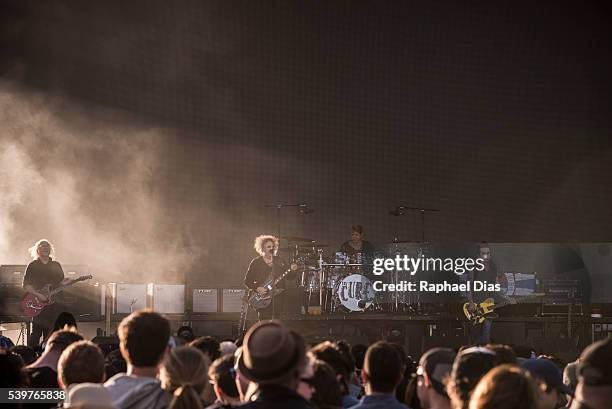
[{"x": 270, "y": 352}]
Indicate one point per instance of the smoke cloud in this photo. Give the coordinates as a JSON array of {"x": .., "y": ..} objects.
[{"x": 86, "y": 185}]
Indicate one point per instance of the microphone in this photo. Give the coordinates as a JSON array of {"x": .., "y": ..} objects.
[{"x": 397, "y": 212}]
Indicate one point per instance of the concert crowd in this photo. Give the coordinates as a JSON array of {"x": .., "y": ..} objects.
[{"x": 273, "y": 367}]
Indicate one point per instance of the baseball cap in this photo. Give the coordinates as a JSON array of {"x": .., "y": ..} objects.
[
  {"x": 595, "y": 365},
  {"x": 547, "y": 372},
  {"x": 437, "y": 364}
]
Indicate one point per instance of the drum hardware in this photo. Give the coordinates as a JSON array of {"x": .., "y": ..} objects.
[{"x": 295, "y": 238}]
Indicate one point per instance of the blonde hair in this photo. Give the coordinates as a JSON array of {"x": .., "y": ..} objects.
[
  {"x": 185, "y": 375},
  {"x": 261, "y": 240},
  {"x": 34, "y": 249}
]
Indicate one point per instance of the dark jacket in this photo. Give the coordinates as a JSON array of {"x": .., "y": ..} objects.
[
  {"x": 276, "y": 397},
  {"x": 382, "y": 401}
]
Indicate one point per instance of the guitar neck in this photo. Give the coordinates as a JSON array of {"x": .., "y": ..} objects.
[
  {"x": 280, "y": 277},
  {"x": 61, "y": 287}
]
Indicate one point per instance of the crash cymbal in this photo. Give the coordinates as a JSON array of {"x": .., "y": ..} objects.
[{"x": 296, "y": 238}]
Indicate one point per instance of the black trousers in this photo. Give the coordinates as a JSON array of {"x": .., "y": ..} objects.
[{"x": 43, "y": 324}]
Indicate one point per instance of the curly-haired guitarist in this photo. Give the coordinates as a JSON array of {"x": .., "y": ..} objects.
[
  {"x": 263, "y": 268},
  {"x": 43, "y": 270}
]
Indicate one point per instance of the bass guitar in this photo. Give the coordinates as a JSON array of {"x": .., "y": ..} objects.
[
  {"x": 32, "y": 306},
  {"x": 479, "y": 312},
  {"x": 259, "y": 301}
]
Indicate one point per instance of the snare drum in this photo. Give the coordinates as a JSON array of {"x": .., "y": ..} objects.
[{"x": 355, "y": 292}]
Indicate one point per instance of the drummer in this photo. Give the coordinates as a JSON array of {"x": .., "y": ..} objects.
[{"x": 356, "y": 248}]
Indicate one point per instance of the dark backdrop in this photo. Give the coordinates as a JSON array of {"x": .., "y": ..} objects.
[{"x": 497, "y": 113}]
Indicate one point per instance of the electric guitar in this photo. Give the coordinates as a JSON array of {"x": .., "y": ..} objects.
[
  {"x": 31, "y": 306},
  {"x": 486, "y": 309},
  {"x": 258, "y": 301}
]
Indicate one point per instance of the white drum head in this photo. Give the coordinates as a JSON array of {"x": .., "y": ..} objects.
[{"x": 355, "y": 292}]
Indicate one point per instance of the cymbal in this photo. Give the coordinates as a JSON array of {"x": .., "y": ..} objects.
[
  {"x": 309, "y": 246},
  {"x": 296, "y": 238}
]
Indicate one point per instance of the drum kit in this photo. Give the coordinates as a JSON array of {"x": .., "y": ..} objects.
[{"x": 343, "y": 282}]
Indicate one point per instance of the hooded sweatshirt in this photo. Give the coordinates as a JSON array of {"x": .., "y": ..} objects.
[{"x": 137, "y": 392}]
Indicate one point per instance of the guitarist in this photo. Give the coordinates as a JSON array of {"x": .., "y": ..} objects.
[
  {"x": 264, "y": 267},
  {"x": 481, "y": 333},
  {"x": 41, "y": 271}
]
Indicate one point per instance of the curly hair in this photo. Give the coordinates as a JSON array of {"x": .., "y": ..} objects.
[
  {"x": 261, "y": 240},
  {"x": 34, "y": 249}
]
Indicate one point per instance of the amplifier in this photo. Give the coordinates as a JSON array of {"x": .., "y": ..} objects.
[
  {"x": 84, "y": 300},
  {"x": 232, "y": 299},
  {"x": 561, "y": 291},
  {"x": 10, "y": 300},
  {"x": 128, "y": 297},
  {"x": 12, "y": 274},
  {"x": 167, "y": 298},
  {"x": 205, "y": 300}
]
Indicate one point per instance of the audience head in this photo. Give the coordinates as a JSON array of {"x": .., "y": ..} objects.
[
  {"x": 60, "y": 340},
  {"x": 222, "y": 376},
  {"x": 358, "y": 351},
  {"x": 80, "y": 362},
  {"x": 227, "y": 348},
  {"x": 595, "y": 375},
  {"x": 208, "y": 345},
  {"x": 11, "y": 368},
  {"x": 114, "y": 364},
  {"x": 434, "y": 367},
  {"x": 306, "y": 385},
  {"x": 27, "y": 354},
  {"x": 330, "y": 353},
  {"x": 273, "y": 354},
  {"x": 504, "y": 354},
  {"x": 382, "y": 368},
  {"x": 550, "y": 382},
  {"x": 185, "y": 334},
  {"x": 143, "y": 338},
  {"x": 345, "y": 349},
  {"x": 470, "y": 365},
  {"x": 185, "y": 374},
  {"x": 505, "y": 387},
  {"x": 327, "y": 393},
  {"x": 65, "y": 320}
]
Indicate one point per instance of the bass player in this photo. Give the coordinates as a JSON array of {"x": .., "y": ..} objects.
[
  {"x": 263, "y": 268},
  {"x": 41, "y": 271}
]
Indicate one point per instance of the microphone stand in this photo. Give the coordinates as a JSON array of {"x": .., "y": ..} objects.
[
  {"x": 400, "y": 211},
  {"x": 279, "y": 207}
]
